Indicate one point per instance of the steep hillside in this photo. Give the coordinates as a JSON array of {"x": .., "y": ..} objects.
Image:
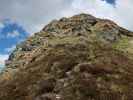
[{"x": 76, "y": 58}]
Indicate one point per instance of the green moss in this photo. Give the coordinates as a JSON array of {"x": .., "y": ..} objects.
[
  {"x": 66, "y": 40},
  {"x": 122, "y": 44}
]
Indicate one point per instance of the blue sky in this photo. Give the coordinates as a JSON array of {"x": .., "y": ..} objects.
[
  {"x": 11, "y": 34},
  {"x": 20, "y": 19},
  {"x": 110, "y": 1}
]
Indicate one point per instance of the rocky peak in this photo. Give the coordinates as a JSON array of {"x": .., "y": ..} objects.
[
  {"x": 71, "y": 22},
  {"x": 76, "y": 58},
  {"x": 78, "y": 25}
]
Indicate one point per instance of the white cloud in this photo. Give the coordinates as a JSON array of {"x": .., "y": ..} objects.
[
  {"x": 13, "y": 34},
  {"x": 10, "y": 49},
  {"x": 34, "y": 14},
  {"x": 1, "y": 25},
  {"x": 3, "y": 57},
  {"x": 121, "y": 13}
]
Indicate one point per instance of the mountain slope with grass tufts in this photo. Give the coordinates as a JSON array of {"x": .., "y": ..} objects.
[{"x": 76, "y": 58}]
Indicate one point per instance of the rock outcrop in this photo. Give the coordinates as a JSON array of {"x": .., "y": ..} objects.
[{"x": 77, "y": 58}]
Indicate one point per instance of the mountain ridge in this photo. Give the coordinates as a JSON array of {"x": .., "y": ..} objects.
[
  {"x": 74, "y": 58},
  {"x": 93, "y": 20}
]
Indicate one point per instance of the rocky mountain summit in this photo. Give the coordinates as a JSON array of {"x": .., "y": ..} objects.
[{"x": 76, "y": 58}]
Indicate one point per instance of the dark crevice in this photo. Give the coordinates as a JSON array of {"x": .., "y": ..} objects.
[{"x": 94, "y": 23}]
